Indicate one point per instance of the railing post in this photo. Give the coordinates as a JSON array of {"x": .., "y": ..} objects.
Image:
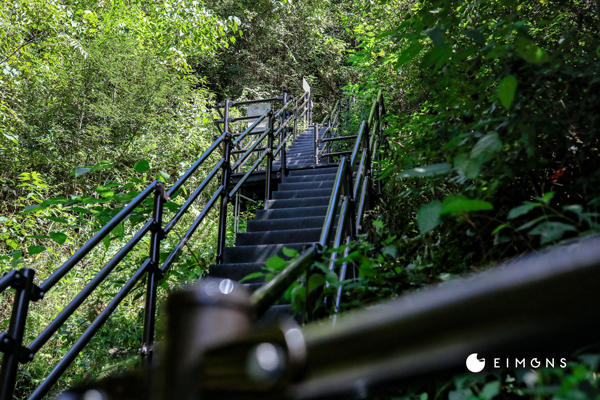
[
  {"x": 310, "y": 108},
  {"x": 367, "y": 144},
  {"x": 154, "y": 274},
  {"x": 222, "y": 235},
  {"x": 295, "y": 118},
  {"x": 282, "y": 135},
  {"x": 283, "y": 163},
  {"x": 269, "y": 168},
  {"x": 12, "y": 341},
  {"x": 351, "y": 201},
  {"x": 316, "y": 142}
]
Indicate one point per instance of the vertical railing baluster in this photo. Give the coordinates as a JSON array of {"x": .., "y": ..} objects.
[
  {"x": 283, "y": 167},
  {"x": 282, "y": 135},
  {"x": 269, "y": 167},
  {"x": 154, "y": 274},
  {"x": 13, "y": 341},
  {"x": 295, "y": 118},
  {"x": 222, "y": 235},
  {"x": 349, "y": 186},
  {"x": 316, "y": 141}
]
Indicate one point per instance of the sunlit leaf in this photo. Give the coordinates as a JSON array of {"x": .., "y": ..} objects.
[
  {"x": 142, "y": 166},
  {"x": 33, "y": 250},
  {"x": 58, "y": 237}
]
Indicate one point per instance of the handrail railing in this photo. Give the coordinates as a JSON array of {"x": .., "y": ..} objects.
[
  {"x": 345, "y": 188},
  {"x": 277, "y": 133},
  {"x": 421, "y": 335}
]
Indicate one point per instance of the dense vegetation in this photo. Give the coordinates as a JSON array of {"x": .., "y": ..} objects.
[{"x": 492, "y": 133}]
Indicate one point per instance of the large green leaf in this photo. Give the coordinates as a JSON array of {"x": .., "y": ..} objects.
[
  {"x": 455, "y": 205},
  {"x": 428, "y": 216},
  {"x": 275, "y": 263},
  {"x": 506, "y": 90}
]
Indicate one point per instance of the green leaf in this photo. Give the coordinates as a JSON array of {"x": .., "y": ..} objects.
[
  {"x": 164, "y": 175},
  {"x": 80, "y": 171},
  {"x": 531, "y": 52},
  {"x": 436, "y": 35},
  {"x": 58, "y": 237},
  {"x": 506, "y": 90},
  {"x": 499, "y": 228},
  {"x": 428, "y": 170},
  {"x": 315, "y": 281},
  {"x": 466, "y": 166},
  {"x": 531, "y": 223},
  {"x": 486, "y": 147},
  {"x": 546, "y": 198},
  {"x": 521, "y": 210},
  {"x": 119, "y": 230},
  {"x": 35, "y": 250},
  {"x": 275, "y": 263},
  {"x": 455, "y": 205},
  {"x": 390, "y": 250},
  {"x": 291, "y": 253},
  {"x": 56, "y": 219},
  {"x": 142, "y": 166},
  {"x": 551, "y": 231},
  {"x": 101, "y": 165},
  {"x": 298, "y": 298},
  {"x": 253, "y": 275},
  {"x": 378, "y": 224},
  {"x": 490, "y": 390},
  {"x": 428, "y": 216}
]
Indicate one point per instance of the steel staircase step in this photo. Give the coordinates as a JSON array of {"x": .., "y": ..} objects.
[
  {"x": 278, "y": 236},
  {"x": 259, "y": 225},
  {"x": 236, "y": 271},
  {"x": 294, "y": 212},
  {"x": 303, "y": 202},
  {"x": 287, "y": 185},
  {"x": 258, "y": 253}
]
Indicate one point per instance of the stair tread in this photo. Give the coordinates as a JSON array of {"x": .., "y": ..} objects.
[
  {"x": 291, "y": 212},
  {"x": 280, "y": 236},
  {"x": 258, "y": 253},
  {"x": 258, "y": 225}
]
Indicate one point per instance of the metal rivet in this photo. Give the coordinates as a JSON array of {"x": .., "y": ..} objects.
[
  {"x": 94, "y": 395},
  {"x": 226, "y": 286},
  {"x": 265, "y": 362}
]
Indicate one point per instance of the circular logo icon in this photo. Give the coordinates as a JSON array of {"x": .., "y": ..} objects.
[{"x": 475, "y": 364}]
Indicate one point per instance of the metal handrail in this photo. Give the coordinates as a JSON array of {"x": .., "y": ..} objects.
[
  {"x": 348, "y": 220},
  {"x": 26, "y": 291}
]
